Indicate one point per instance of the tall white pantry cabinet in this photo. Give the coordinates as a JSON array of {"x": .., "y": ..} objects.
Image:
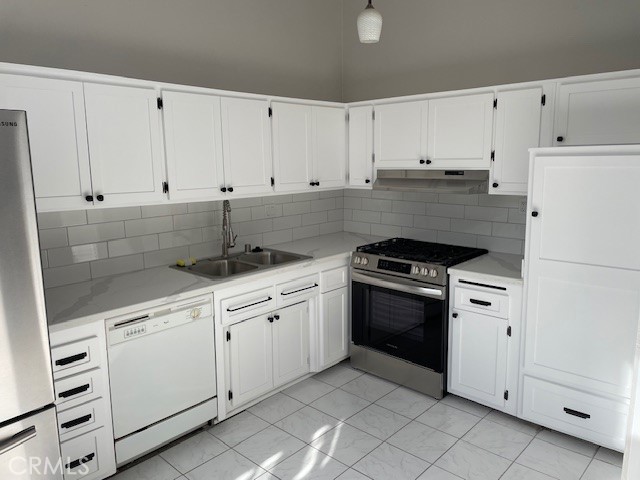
[{"x": 582, "y": 300}]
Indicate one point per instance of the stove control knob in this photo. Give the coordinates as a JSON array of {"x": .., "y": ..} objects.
[
  {"x": 415, "y": 270},
  {"x": 357, "y": 260},
  {"x": 424, "y": 271},
  {"x": 365, "y": 261},
  {"x": 433, "y": 273}
]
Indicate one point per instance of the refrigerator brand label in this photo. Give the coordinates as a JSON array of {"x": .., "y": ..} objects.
[{"x": 8, "y": 124}]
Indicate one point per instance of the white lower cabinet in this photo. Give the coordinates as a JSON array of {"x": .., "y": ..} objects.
[
  {"x": 265, "y": 352},
  {"x": 81, "y": 383},
  {"x": 334, "y": 326},
  {"x": 484, "y": 341}
]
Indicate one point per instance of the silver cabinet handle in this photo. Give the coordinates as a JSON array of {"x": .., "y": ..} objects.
[{"x": 17, "y": 440}]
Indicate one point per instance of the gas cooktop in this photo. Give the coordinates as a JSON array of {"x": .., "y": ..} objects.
[{"x": 426, "y": 252}]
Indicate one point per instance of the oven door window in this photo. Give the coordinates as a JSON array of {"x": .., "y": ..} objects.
[{"x": 401, "y": 324}]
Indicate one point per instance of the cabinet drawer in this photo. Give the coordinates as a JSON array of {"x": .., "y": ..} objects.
[
  {"x": 481, "y": 301},
  {"x": 597, "y": 419},
  {"x": 297, "y": 290},
  {"x": 86, "y": 455},
  {"x": 71, "y": 391},
  {"x": 75, "y": 357},
  {"x": 256, "y": 303},
  {"x": 82, "y": 418},
  {"x": 334, "y": 279}
]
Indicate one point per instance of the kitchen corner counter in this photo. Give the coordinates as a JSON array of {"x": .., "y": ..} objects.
[
  {"x": 80, "y": 303},
  {"x": 500, "y": 267}
]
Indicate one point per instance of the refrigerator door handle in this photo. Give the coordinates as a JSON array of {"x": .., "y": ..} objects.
[{"x": 17, "y": 440}]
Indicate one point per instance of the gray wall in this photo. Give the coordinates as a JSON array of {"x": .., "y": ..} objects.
[
  {"x": 436, "y": 45},
  {"x": 279, "y": 47}
]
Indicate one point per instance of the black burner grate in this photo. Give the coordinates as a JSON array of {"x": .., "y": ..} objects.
[{"x": 427, "y": 252}]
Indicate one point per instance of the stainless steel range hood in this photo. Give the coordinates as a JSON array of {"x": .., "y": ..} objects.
[{"x": 433, "y": 181}]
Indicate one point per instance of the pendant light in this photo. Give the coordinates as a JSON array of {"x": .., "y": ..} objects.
[{"x": 369, "y": 25}]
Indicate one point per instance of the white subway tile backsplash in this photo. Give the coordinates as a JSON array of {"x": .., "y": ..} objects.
[
  {"x": 53, "y": 237},
  {"x": 335, "y": 215},
  {"x": 331, "y": 227},
  {"x": 420, "y": 234},
  {"x": 505, "y": 245},
  {"x": 98, "y": 232},
  {"x": 147, "y": 226},
  {"x": 399, "y": 219},
  {"x": 165, "y": 257},
  {"x": 201, "y": 207},
  {"x": 164, "y": 210},
  {"x": 356, "y": 192},
  {"x": 458, "y": 199},
  {"x": 191, "y": 220},
  {"x": 501, "y": 200},
  {"x": 323, "y": 204},
  {"x": 414, "y": 208},
  {"x": 368, "y": 216},
  {"x": 420, "y": 197},
  {"x": 113, "y": 214},
  {"x": 55, "y": 277},
  {"x": 386, "y": 195},
  {"x": 59, "y": 257},
  {"x": 515, "y": 216},
  {"x": 386, "y": 230},
  {"x": 352, "y": 203},
  {"x": 431, "y": 223},
  {"x": 62, "y": 219},
  {"x": 377, "y": 204},
  {"x": 348, "y": 214},
  {"x": 129, "y": 246},
  {"x": 210, "y": 234},
  {"x": 508, "y": 230},
  {"x": 314, "y": 218},
  {"x": 290, "y": 221},
  {"x": 455, "y": 238},
  {"x": 445, "y": 210},
  {"x": 491, "y": 214},
  {"x": 308, "y": 196},
  {"x": 279, "y": 236},
  {"x": 198, "y": 251},
  {"x": 357, "y": 227},
  {"x": 470, "y": 226},
  {"x": 277, "y": 199},
  {"x": 253, "y": 228},
  {"x": 296, "y": 208},
  {"x": 306, "y": 232},
  {"x": 114, "y": 266},
  {"x": 332, "y": 193},
  {"x": 180, "y": 238},
  {"x": 44, "y": 258},
  {"x": 244, "y": 202}
]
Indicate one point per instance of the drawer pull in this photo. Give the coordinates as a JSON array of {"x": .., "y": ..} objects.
[
  {"x": 77, "y": 421},
  {"x": 71, "y": 359},
  {"x": 576, "y": 413},
  {"x": 17, "y": 439},
  {"x": 80, "y": 461},
  {"x": 484, "y": 303},
  {"x": 299, "y": 290},
  {"x": 74, "y": 391},
  {"x": 248, "y": 305}
]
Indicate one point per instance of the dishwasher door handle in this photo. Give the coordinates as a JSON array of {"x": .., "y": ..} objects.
[{"x": 235, "y": 309}]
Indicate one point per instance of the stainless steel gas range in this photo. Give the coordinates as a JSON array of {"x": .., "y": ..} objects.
[{"x": 399, "y": 310}]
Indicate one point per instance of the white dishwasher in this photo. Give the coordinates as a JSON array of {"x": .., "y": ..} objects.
[{"x": 162, "y": 373}]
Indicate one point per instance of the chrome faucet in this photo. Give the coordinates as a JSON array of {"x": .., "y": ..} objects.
[{"x": 228, "y": 238}]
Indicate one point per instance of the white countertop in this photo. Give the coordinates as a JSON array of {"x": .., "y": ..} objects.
[
  {"x": 84, "y": 302},
  {"x": 499, "y": 267}
]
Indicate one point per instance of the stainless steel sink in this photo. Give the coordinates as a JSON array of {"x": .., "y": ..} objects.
[
  {"x": 221, "y": 268},
  {"x": 268, "y": 257},
  {"x": 242, "y": 263}
]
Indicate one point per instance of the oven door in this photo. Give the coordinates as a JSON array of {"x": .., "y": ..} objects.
[{"x": 400, "y": 317}]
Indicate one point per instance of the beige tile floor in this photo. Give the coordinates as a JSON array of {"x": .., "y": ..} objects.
[{"x": 347, "y": 425}]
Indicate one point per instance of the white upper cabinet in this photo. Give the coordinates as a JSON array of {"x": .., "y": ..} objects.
[
  {"x": 361, "y": 146},
  {"x": 193, "y": 143},
  {"x": 603, "y": 112},
  {"x": 329, "y": 146},
  {"x": 459, "y": 132},
  {"x": 246, "y": 140},
  {"x": 518, "y": 121},
  {"x": 401, "y": 135},
  {"x": 309, "y": 146},
  {"x": 292, "y": 148},
  {"x": 123, "y": 127},
  {"x": 57, "y": 138}
]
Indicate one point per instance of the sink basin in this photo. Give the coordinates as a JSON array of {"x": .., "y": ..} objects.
[
  {"x": 269, "y": 257},
  {"x": 221, "y": 268}
]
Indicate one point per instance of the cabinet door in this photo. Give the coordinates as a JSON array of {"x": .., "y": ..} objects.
[
  {"x": 123, "y": 127},
  {"x": 193, "y": 145},
  {"x": 478, "y": 352},
  {"x": 598, "y": 113},
  {"x": 246, "y": 139},
  {"x": 329, "y": 146},
  {"x": 334, "y": 326},
  {"x": 290, "y": 343},
  {"x": 250, "y": 360},
  {"x": 292, "y": 146},
  {"x": 401, "y": 134},
  {"x": 460, "y": 132},
  {"x": 361, "y": 146},
  {"x": 583, "y": 271},
  {"x": 518, "y": 119},
  {"x": 57, "y": 138}
]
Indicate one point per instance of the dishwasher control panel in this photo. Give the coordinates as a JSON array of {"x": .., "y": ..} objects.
[{"x": 140, "y": 325}]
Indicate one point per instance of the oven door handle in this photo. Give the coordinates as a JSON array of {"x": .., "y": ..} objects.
[{"x": 398, "y": 285}]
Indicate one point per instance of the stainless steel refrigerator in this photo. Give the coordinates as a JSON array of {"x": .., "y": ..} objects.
[{"x": 29, "y": 446}]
